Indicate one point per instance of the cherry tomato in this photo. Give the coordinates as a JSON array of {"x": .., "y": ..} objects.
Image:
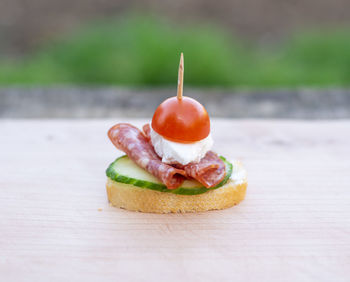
[{"x": 183, "y": 121}]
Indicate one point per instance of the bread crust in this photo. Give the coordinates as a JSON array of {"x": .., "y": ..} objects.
[{"x": 134, "y": 198}]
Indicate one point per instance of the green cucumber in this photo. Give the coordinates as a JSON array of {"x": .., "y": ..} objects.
[{"x": 124, "y": 170}]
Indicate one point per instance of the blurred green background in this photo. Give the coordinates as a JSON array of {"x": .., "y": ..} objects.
[{"x": 142, "y": 49}]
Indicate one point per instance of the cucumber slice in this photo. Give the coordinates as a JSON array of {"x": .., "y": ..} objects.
[{"x": 124, "y": 170}]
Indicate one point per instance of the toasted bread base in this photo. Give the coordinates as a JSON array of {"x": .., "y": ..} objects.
[{"x": 133, "y": 198}]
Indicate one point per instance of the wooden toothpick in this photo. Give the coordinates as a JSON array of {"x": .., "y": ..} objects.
[{"x": 180, "y": 79}]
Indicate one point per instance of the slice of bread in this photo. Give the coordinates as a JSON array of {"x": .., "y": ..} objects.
[{"x": 134, "y": 198}]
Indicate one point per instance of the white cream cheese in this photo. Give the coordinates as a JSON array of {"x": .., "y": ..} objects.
[
  {"x": 239, "y": 174},
  {"x": 183, "y": 153}
]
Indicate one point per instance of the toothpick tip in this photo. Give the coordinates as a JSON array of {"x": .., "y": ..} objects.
[{"x": 180, "y": 77}]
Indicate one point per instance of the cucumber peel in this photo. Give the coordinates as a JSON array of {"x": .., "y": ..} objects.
[{"x": 124, "y": 170}]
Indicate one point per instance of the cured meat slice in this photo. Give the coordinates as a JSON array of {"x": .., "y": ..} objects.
[
  {"x": 210, "y": 171},
  {"x": 147, "y": 131},
  {"x": 133, "y": 142}
]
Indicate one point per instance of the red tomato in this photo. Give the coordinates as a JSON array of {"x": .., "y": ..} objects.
[{"x": 183, "y": 121}]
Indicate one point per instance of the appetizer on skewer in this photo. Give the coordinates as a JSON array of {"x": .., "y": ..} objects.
[{"x": 169, "y": 165}]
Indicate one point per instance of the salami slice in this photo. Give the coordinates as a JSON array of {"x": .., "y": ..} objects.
[
  {"x": 147, "y": 131},
  {"x": 210, "y": 171},
  {"x": 133, "y": 142}
]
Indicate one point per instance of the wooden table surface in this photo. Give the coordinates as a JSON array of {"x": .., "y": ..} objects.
[{"x": 294, "y": 225}]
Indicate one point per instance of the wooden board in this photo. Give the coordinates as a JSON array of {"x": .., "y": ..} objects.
[{"x": 294, "y": 225}]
